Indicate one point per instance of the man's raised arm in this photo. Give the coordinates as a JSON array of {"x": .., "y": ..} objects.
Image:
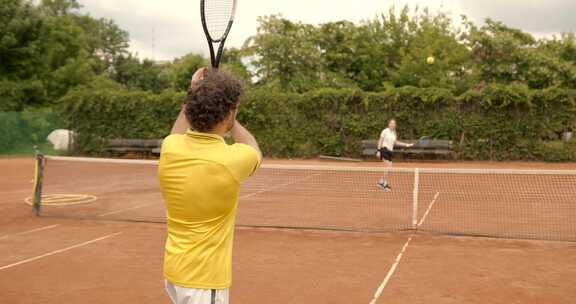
[
  {"x": 181, "y": 125},
  {"x": 243, "y": 136}
]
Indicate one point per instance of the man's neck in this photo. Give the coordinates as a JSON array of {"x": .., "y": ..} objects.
[{"x": 219, "y": 130}]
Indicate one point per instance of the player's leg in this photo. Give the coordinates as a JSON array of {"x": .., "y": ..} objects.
[
  {"x": 383, "y": 182},
  {"x": 388, "y": 164},
  {"x": 171, "y": 291},
  {"x": 386, "y": 157}
]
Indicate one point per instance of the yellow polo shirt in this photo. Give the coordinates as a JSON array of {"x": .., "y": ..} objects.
[{"x": 200, "y": 178}]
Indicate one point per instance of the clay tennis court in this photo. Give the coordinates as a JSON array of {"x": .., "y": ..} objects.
[{"x": 355, "y": 239}]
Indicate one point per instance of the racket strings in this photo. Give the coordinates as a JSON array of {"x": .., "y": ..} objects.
[{"x": 218, "y": 14}]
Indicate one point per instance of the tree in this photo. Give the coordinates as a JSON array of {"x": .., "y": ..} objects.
[
  {"x": 48, "y": 48},
  {"x": 427, "y": 35},
  {"x": 564, "y": 49},
  {"x": 507, "y": 55},
  {"x": 21, "y": 55},
  {"x": 232, "y": 62},
  {"x": 139, "y": 75},
  {"x": 105, "y": 40},
  {"x": 21, "y": 49},
  {"x": 286, "y": 54},
  {"x": 388, "y": 50},
  {"x": 76, "y": 71},
  {"x": 59, "y": 8},
  {"x": 178, "y": 75},
  {"x": 342, "y": 55}
]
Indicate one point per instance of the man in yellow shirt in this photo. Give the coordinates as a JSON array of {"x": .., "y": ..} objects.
[{"x": 200, "y": 176}]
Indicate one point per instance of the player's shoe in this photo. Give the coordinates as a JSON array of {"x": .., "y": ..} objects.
[{"x": 384, "y": 187}]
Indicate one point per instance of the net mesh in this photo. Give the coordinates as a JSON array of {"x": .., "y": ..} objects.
[
  {"x": 21, "y": 131},
  {"x": 527, "y": 204},
  {"x": 218, "y": 14}
]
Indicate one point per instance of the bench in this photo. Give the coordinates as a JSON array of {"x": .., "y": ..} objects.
[
  {"x": 141, "y": 146},
  {"x": 145, "y": 146},
  {"x": 442, "y": 148}
]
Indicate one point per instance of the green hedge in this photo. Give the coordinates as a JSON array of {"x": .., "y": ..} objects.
[
  {"x": 499, "y": 122},
  {"x": 100, "y": 115}
]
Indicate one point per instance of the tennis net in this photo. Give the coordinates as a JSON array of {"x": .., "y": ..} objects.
[{"x": 523, "y": 204}]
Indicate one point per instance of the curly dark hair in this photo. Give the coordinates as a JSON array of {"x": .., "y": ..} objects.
[{"x": 212, "y": 99}]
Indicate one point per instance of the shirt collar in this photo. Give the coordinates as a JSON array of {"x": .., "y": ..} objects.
[{"x": 204, "y": 136}]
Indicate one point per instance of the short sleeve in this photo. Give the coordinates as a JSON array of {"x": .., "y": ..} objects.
[
  {"x": 168, "y": 143},
  {"x": 243, "y": 162},
  {"x": 383, "y": 133}
]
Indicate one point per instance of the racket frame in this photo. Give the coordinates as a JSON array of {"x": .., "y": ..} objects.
[
  {"x": 216, "y": 57},
  {"x": 421, "y": 142}
]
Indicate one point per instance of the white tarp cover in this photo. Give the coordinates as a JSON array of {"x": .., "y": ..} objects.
[{"x": 61, "y": 139}]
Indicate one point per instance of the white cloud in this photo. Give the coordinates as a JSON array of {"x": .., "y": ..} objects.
[{"x": 177, "y": 30}]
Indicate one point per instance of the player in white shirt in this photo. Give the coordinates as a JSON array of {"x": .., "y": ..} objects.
[{"x": 388, "y": 139}]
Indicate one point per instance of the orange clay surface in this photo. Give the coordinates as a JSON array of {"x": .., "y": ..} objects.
[{"x": 54, "y": 260}]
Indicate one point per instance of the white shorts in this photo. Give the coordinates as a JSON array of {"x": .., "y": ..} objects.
[{"x": 182, "y": 295}]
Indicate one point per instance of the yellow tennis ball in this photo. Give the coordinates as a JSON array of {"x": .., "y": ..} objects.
[{"x": 430, "y": 60}]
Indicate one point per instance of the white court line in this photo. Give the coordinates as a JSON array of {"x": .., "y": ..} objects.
[
  {"x": 126, "y": 209},
  {"x": 29, "y": 231},
  {"x": 428, "y": 210},
  {"x": 392, "y": 269},
  {"x": 59, "y": 251}
]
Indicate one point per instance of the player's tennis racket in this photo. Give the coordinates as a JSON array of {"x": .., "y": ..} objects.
[
  {"x": 217, "y": 18},
  {"x": 423, "y": 142}
]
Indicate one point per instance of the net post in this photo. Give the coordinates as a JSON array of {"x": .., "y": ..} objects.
[
  {"x": 38, "y": 177},
  {"x": 415, "y": 199}
]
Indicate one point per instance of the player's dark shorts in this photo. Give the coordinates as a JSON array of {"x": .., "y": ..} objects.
[{"x": 385, "y": 154}]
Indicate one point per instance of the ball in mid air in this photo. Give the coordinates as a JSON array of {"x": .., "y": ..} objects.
[{"x": 430, "y": 60}]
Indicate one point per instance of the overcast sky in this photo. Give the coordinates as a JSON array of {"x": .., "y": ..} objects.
[{"x": 173, "y": 26}]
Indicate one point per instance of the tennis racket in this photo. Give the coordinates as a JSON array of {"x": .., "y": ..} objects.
[
  {"x": 217, "y": 18},
  {"x": 423, "y": 142}
]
